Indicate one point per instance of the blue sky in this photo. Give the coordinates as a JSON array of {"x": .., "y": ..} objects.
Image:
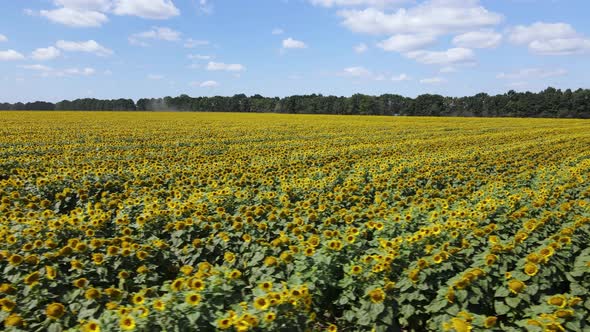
[{"x": 65, "y": 49}]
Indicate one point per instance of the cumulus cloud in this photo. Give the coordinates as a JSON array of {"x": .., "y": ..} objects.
[
  {"x": 3, "y": 38},
  {"x": 406, "y": 42},
  {"x": 357, "y": 72},
  {"x": 205, "y": 84},
  {"x": 478, "y": 39},
  {"x": 98, "y": 5},
  {"x": 49, "y": 71},
  {"x": 277, "y": 31},
  {"x": 351, "y": 3},
  {"x": 10, "y": 55},
  {"x": 434, "y": 17},
  {"x": 89, "y": 46},
  {"x": 293, "y": 43},
  {"x": 361, "y": 48},
  {"x": 400, "y": 77},
  {"x": 451, "y": 56},
  {"x": 550, "y": 39},
  {"x": 47, "y": 53},
  {"x": 73, "y": 17},
  {"x": 37, "y": 67},
  {"x": 155, "y": 77},
  {"x": 220, "y": 66},
  {"x": 433, "y": 80},
  {"x": 93, "y": 13},
  {"x": 151, "y": 9},
  {"x": 532, "y": 73},
  {"x": 84, "y": 71},
  {"x": 155, "y": 33}
]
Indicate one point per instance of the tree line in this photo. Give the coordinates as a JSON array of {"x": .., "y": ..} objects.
[{"x": 550, "y": 102}]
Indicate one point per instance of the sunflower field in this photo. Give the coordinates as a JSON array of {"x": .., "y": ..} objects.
[{"x": 269, "y": 222}]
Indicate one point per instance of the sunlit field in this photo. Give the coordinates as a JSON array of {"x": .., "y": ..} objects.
[{"x": 238, "y": 222}]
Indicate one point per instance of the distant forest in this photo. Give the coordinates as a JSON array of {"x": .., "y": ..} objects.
[{"x": 551, "y": 102}]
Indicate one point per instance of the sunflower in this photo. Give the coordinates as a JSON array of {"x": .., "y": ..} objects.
[
  {"x": 356, "y": 269},
  {"x": 7, "y": 304},
  {"x": 55, "y": 310},
  {"x": 50, "y": 272},
  {"x": 516, "y": 286},
  {"x": 265, "y": 286},
  {"x": 269, "y": 317},
  {"x": 80, "y": 283},
  {"x": 531, "y": 269},
  {"x": 193, "y": 298},
  {"x": 377, "y": 295},
  {"x": 32, "y": 278},
  {"x": 159, "y": 305},
  {"x": 91, "y": 326},
  {"x": 234, "y": 274},
  {"x": 491, "y": 259},
  {"x": 127, "y": 323},
  {"x": 437, "y": 258},
  {"x": 14, "y": 320},
  {"x": 261, "y": 303},
  {"x": 196, "y": 284},
  {"x": 138, "y": 299},
  {"x": 224, "y": 323},
  {"x": 16, "y": 260},
  {"x": 557, "y": 300},
  {"x": 92, "y": 294},
  {"x": 460, "y": 325}
]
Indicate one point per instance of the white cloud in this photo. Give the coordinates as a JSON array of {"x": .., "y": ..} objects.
[
  {"x": 277, "y": 31},
  {"x": 48, "y": 71},
  {"x": 156, "y": 33},
  {"x": 89, "y": 46},
  {"x": 343, "y": 3},
  {"x": 478, "y": 39},
  {"x": 77, "y": 18},
  {"x": 532, "y": 73},
  {"x": 292, "y": 43},
  {"x": 75, "y": 71},
  {"x": 155, "y": 77},
  {"x": 550, "y": 39},
  {"x": 206, "y": 84},
  {"x": 540, "y": 31},
  {"x": 47, "y": 53},
  {"x": 192, "y": 43},
  {"x": 406, "y": 42},
  {"x": 561, "y": 46},
  {"x": 10, "y": 55},
  {"x": 361, "y": 48},
  {"x": 216, "y": 66},
  {"x": 3, "y": 38},
  {"x": 152, "y": 9},
  {"x": 448, "y": 57},
  {"x": 400, "y": 77},
  {"x": 357, "y": 72},
  {"x": 433, "y": 80},
  {"x": 37, "y": 67},
  {"x": 433, "y": 17},
  {"x": 200, "y": 57},
  {"x": 97, "y": 5}
]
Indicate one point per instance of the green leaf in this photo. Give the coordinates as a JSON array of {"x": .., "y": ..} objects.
[
  {"x": 501, "y": 308},
  {"x": 512, "y": 301},
  {"x": 502, "y": 292}
]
